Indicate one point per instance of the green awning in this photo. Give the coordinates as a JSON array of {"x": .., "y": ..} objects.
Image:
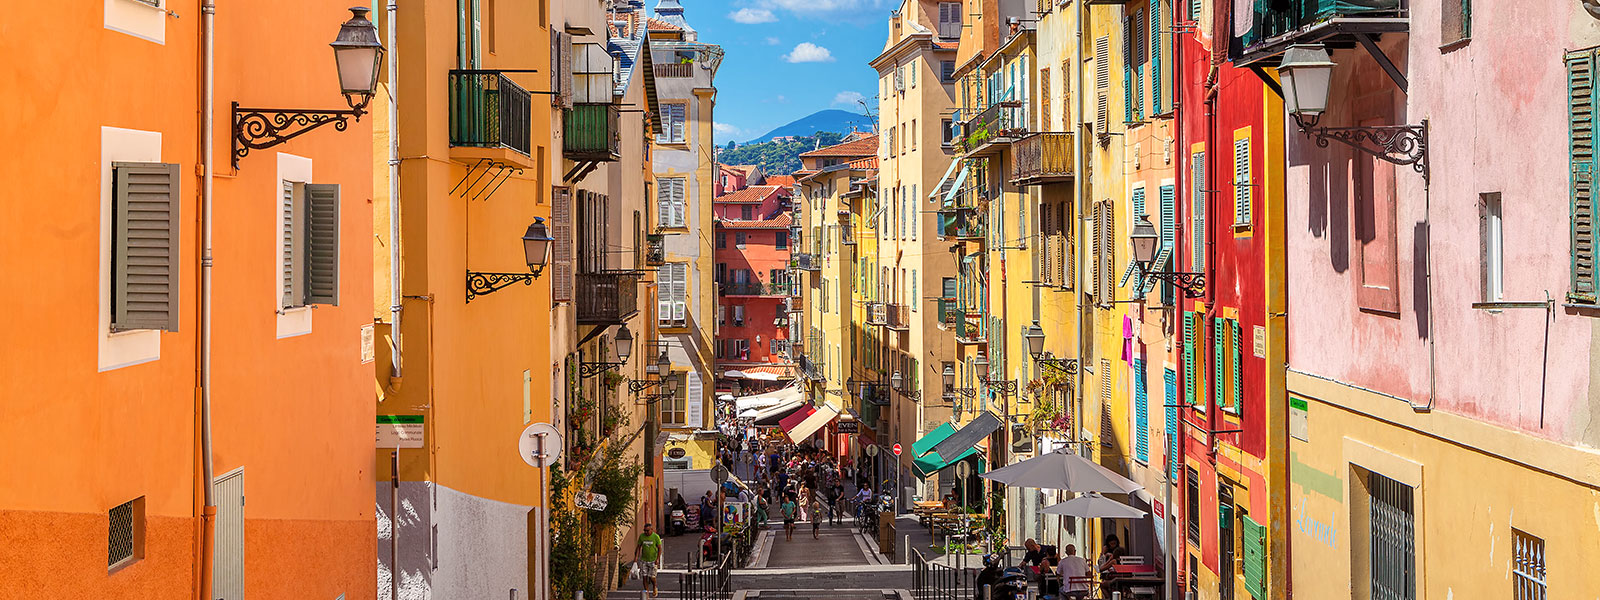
[{"x": 926, "y": 461}]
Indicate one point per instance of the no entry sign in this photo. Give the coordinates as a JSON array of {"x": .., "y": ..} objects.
[{"x": 897, "y": 449}]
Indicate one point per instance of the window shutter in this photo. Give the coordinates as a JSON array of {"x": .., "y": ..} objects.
[
  {"x": 1194, "y": 10},
  {"x": 1102, "y": 82},
  {"x": 1255, "y": 556},
  {"x": 1155, "y": 58},
  {"x": 1169, "y": 230},
  {"x": 1172, "y": 424},
  {"x": 1044, "y": 99},
  {"x": 680, "y": 292},
  {"x": 144, "y": 246},
  {"x": 1138, "y": 203},
  {"x": 1106, "y": 431},
  {"x": 1141, "y": 417},
  {"x": 663, "y": 203},
  {"x": 1092, "y": 286},
  {"x": 1198, "y": 241},
  {"x": 679, "y": 203},
  {"x": 664, "y": 295},
  {"x": 1581, "y": 115},
  {"x": 1069, "y": 250},
  {"x": 290, "y": 241},
  {"x": 1127, "y": 69},
  {"x": 1238, "y": 367},
  {"x": 561, "y": 213},
  {"x": 1217, "y": 372},
  {"x": 1188, "y": 357},
  {"x": 1241, "y": 181},
  {"x": 1108, "y": 252},
  {"x": 322, "y": 243}
]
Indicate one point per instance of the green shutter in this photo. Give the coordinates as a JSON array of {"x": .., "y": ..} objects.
[
  {"x": 1127, "y": 69},
  {"x": 1217, "y": 396},
  {"x": 322, "y": 243},
  {"x": 1141, "y": 416},
  {"x": 1188, "y": 357},
  {"x": 1155, "y": 58},
  {"x": 1238, "y": 364},
  {"x": 1255, "y": 557},
  {"x": 144, "y": 246},
  {"x": 1169, "y": 231},
  {"x": 1581, "y": 107}
]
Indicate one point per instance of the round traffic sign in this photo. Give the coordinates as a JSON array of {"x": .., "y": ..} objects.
[
  {"x": 540, "y": 445},
  {"x": 963, "y": 469},
  {"x": 872, "y": 450},
  {"x": 897, "y": 449},
  {"x": 719, "y": 474}
]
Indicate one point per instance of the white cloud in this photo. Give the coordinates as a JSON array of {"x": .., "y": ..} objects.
[
  {"x": 848, "y": 98},
  {"x": 752, "y": 16},
  {"x": 772, "y": 41},
  {"x": 727, "y": 129},
  {"x": 813, "y": 7},
  {"x": 808, "y": 52}
]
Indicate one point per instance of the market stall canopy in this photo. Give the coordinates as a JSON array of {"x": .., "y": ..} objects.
[
  {"x": 795, "y": 418},
  {"x": 1093, "y": 506},
  {"x": 1063, "y": 471},
  {"x": 925, "y": 461},
  {"x": 772, "y": 415},
  {"x": 769, "y": 399},
  {"x": 812, "y": 423},
  {"x": 968, "y": 436}
]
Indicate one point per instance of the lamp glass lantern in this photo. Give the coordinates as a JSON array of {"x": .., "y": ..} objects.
[
  {"x": 624, "y": 344},
  {"x": 949, "y": 375},
  {"x": 896, "y": 379},
  {"x": 1144, "y": 238},
  {"x": 735, "y": 387},
  {"x": 1307, "y": 72},
  {"x": 981, "y": 363},
  {"x": 669, "y": 386},
  {"x": 1034, "y": 335},
  {"x": 536, "y": 245},
  {"x": 358, "y": 54}
]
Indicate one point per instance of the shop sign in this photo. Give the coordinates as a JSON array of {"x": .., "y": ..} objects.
[{"x": 850, "y": 427}]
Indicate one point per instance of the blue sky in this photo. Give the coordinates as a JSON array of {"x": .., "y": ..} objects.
[{"x": 789, "y": 58}]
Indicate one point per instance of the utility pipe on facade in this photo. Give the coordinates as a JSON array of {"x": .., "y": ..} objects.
[
  {"x": 395, "y": 363},
  {"x": 1169, "y": 576},
  {"x": 208, "y": 515}
]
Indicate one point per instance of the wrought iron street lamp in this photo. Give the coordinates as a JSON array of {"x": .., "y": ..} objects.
[
  {"x": 357, "y": 53},
  {"x": 1144, "y": 240},
  {"x": 624, "y": 348},
  {"x": 661, "y": 366},
  {"x": 668, "y": 388},
  {"x": 1005, "y": 387},
  {"x": 535, "y": 249},
  {"x": 1034, "y": 335},
  {"x": 1307, "y": 74},
  {"x": 950, "y": 389}
]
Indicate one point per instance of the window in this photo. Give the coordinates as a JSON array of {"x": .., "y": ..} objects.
[
  {"x": 780, "y": 240},
  {"x": 1193, "y": 390},
  {"x": 670, "y": 204},
  {"x": 673, "y": 117},
  {"x": 911, "y": 211},
  {"x": 949, "y": 20},
  {"x": 672, "y": 284},
  {"x": 914, "y": 301},
  {"x": 1491, "y": 241},
  {"x": 1582, "y": 167},
  {"x": 1391, "y": 538},
  {"x": 913, "y": 128},
  {"x": 1156, "y": 74},
  {"x": 1527, "y": 566},
  {"x": 738, "y": 314},
  {"x": 946, "y": 132},
  {"x": 674, "y": 409},
  {"x": 1191, "y": 516},
  {"x": 1455, "y": 22},
  {"x": 947, "y": 71},
  {"x": 739, "y": 239},
  {"x": 1241, "y": 178},
  {"x": 309, "y": 245},
  {"x": 144, "y": 246},
  {"x": 747, "y": 212},
  {"x": 125, "y": 535},
  {"x": 722, "y": 239}
]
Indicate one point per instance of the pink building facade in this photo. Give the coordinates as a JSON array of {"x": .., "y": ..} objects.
[{"x": 752, "y": 261}]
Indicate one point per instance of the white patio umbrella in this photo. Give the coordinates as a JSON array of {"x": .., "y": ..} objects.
[
  {"x": 1093, "y": 506},
  {"x": 1062, "y": 471}
]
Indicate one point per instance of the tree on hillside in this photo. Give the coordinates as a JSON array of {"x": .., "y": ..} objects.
[{"x": 778, "y": 157}]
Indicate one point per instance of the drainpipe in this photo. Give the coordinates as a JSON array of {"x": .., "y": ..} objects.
[
  {"x": 1169, "y": 577},
  {"x": 395, "y": 363},
  {"x": 208, "y": 515}
]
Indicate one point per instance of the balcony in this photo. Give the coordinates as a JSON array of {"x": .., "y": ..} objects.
[
  {"x": 971, "y": 330},
  {"x": 1043, "y": 158},
  {"x": 607, "y": 298},
  {"x": 991, "y": 130},
  {"x": 590, "y": 132},
  {"x": 807, "y": 262},
  {"x": 742, "y": 288},
  {"x": 948, "y": 315},
  {"x": 1277, "y": 24},
  {"x": 796, "y": 303},
  {"x": 490, "y": 118},
  {"x": 655, "y": 250},
  {"x": 898, "y": 317},
  {"x": 962, "y": 224},
  {"x": 877, "y": 314},
  {"x": 674, "y": 70}
]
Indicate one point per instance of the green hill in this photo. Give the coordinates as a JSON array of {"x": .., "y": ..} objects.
[{"x": 777, "y": 158}]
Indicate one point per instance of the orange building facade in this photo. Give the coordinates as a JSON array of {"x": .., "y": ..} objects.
[{"x": 103, "y": 268}]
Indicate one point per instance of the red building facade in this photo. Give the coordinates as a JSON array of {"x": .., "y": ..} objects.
[{"x": 752, "y": 258}]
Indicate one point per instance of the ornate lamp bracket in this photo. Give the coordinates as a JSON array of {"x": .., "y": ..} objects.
[
  {"x": 1398, "y": 144},
  {"x": 635, "y": 387},
  {"x": 1065, "y": 365},
  {"x": 591, "y": 369},
  {"x": 262, "y": 128},
  {"x": 1192, "y": 284},
  {"x": 1004, "y": 387},
  {"x": 482, "y": 283}
]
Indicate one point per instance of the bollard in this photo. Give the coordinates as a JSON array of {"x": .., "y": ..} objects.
[
  {"x": 988, "y": 593},
  {"x": 579, "y": 596},
  {"x": 908, "y": 549}
]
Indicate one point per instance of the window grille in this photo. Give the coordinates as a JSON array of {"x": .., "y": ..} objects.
[
  {"x": 120, "y": 536},
  {"x": 1392, "y": 539},
  {"x": 1527, "y": 566}
]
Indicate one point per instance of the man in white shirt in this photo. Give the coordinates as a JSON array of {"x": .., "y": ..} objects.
[{"x": 1072, "y": 566}]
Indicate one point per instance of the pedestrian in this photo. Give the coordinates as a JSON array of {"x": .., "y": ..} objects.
[
  {"x": 1074, "y": 570},
  {"x": 648, "y": 556},
  {"x": 816, "y": 518},
  {"x": 707, "y": 516},
  {"x": 833, "y": 505},
  {"x": 789, "y": 510}
]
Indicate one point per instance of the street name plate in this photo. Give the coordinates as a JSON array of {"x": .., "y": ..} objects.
[
  {"x": 399, "y": 431},
  {"x": 1299, "y": 421}
]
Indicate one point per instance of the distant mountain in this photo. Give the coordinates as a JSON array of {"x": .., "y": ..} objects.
[
  {"x": 776, "y": 158},
  {"x": 829, "y": 120}
]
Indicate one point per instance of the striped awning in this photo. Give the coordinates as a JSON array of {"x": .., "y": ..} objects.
[{"x": 812, "y": 423}]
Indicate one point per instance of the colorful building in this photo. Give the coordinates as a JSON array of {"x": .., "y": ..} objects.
[
  {"x": 193, "y": 327},
  {"x": 752, "y": 229}
]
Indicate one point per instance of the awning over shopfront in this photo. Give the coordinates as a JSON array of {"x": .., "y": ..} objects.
[
  {"x": 925, "y": 461},
  {"x": 963, "y": 440},
  {"x": 812, "y": 423},
  {"x": 769, "y": 399},
  {"x": 795, "y": 418},
  {"x": 771, "y": 416}
]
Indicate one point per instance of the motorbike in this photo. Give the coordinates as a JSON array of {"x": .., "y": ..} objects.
[
  {"x": 712, "y": 544},
  {"x": 675, "y": 523},
  {"x": 1013, "y": 585}
]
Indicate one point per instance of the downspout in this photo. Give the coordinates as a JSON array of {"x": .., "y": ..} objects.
[
  {"x": 208, "y": 514},
  {"x": 395, "y": 363},
  {"x": 1169, "y": 576}
]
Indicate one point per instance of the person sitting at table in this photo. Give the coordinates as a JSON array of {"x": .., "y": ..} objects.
[
  {"x": 1110, "y": 555},
  {"x": 1073, "y": 567},
  {"x": 1036, "y": 553}
]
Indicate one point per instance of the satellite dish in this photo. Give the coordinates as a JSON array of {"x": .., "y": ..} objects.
[{"x": 528, "y": 445}]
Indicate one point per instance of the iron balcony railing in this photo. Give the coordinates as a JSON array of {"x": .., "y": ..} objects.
[
  {"x": 898, "y": 316},
  {"x": 1043, "y": 157},
  {"x": 807, "y": 262},
  {"x": 607, "y": 298},
  {"x": 674, "y": 70},
  {"x": 962, "y": 223},
  {"x": 741, "y": 288},
  {"x": 655, "y": 250},
  {"x": 488, "y": 110},
  {"x": 948, "y": 315},
  {"x": 997, "y": 123},
  {"x": 1274, "y": 19},
  {"x": 591, "y": 132},
  {"x": 877, "y": 313}
]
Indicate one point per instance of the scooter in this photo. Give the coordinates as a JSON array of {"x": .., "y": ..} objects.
[
  {"x": 712, "y": 544},
  {"x": 675, "y": 524}
]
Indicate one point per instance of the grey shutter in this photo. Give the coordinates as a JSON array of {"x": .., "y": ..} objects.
[
  {"x": 1241, "y": 182},
  {"x": 144, "y": 246},
  {"x": 289, "y": 242},
  {"x": 561, "y": 69},
  {"x": 561, "y": 287},
  {"x": 1581, "y": 165},
  {"x": 321, "y": 234}
]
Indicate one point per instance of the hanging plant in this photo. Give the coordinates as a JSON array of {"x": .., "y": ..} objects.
[{"x": 613, "y": 379}]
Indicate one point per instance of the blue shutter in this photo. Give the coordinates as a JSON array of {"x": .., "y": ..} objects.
[
  {"x": 1138, "y": 203},
  {"x": 1238, "y": 367},
  {"x": 1127, "y": 69},
  {"x": 1173, "y": 460},
  {"x": 1141, "y": 406},
  {"x": 1580, "y": 114}
]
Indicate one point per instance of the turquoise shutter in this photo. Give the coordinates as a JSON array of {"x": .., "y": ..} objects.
[
  {"x": 1138, "y": 203},
  {"x": 1580, "y": 111},
  {"x": 1217, "y": 396},
  {"x": 1238, "y": 367},
  {"x": 1155, "y": 58},
  {"x": 1188, "y": 357},
  {"x": 1127, "y": 69},
  {"x": 1141, "y": 407},
  {"x": 1172, "y": 424},
  {"x": 1255, "y": 557},
  {"x": 1169, "y": 230}
]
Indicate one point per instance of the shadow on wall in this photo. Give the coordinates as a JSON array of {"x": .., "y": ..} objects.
[
  {"x": 1420, "y": 301},
  {"x": 1329, "y": 216}
]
